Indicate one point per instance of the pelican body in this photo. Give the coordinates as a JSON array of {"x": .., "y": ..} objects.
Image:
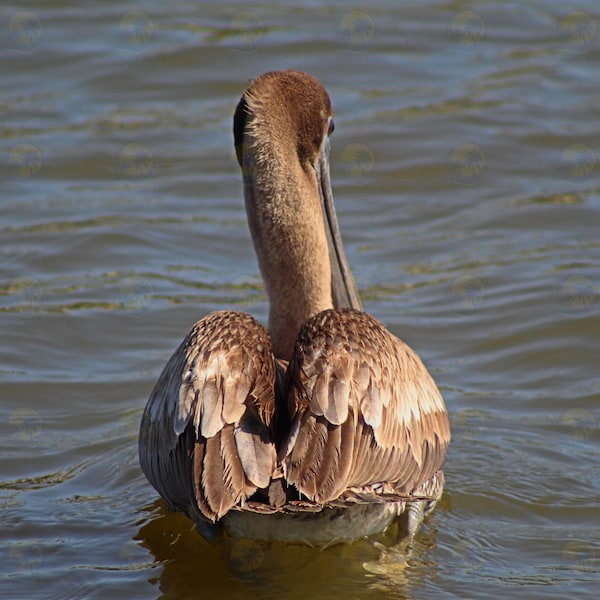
[{"x": 325, "y": 427}]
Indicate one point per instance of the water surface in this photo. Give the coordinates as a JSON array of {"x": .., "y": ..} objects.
[{"x": 465, "y": 166}]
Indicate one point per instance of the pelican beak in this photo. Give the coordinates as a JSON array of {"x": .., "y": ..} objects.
[{"x": 343, "y": 288}]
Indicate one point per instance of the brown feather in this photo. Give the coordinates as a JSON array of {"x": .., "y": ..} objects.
[
  {"x": 224, "y": 374},
  {"x": 212, "y": 481},
  {"x": 328, "y": 469},
  {"x": 400, "y": 434},
  {"x": 198, "y": 467},
  {"x": 309, "y": 463},
  {"x": 255, "y": 449}
]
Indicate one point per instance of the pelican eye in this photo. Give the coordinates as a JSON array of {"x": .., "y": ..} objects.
[{"x": 331, "y": 127}]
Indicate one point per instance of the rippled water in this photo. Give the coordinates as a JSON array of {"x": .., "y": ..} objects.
[{"x": 466, "y": 170}]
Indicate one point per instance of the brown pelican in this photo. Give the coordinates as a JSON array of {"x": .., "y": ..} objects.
[{"x": 325, "y": 427}]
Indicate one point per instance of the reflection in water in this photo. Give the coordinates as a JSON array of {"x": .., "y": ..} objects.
[{"x": 192, "y": 567}]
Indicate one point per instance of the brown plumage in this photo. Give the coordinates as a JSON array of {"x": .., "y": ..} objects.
[{"x": 325, "y": 427}]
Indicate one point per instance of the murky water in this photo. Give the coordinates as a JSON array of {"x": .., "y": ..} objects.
[{"x": 466, "y": 168}]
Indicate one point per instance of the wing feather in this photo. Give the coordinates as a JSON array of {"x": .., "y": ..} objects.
[
  {"x": 211, "y": 486},
  {"x": 367, "y": 412},
  {"x": 207, "y": 442},
  {"x": 363, "y": 446},
  {"x": 255, "y": 449},
  {"x": 211, "y": 417}
]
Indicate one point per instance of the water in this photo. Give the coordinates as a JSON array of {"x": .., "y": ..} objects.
[{"x": 465, "y": 165}]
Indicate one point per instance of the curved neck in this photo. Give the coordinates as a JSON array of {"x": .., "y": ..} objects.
[{"x": 286, "y": 222}]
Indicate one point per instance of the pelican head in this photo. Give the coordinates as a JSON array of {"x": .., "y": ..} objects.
[{"x": 281, "y": 128}]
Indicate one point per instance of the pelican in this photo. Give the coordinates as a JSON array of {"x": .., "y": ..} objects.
[{"x": 325, "y": 427}]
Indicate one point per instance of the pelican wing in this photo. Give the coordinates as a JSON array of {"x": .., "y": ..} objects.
[
  {"x": 367, "y": 415},
  {"x": 205, "y": 441}
]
